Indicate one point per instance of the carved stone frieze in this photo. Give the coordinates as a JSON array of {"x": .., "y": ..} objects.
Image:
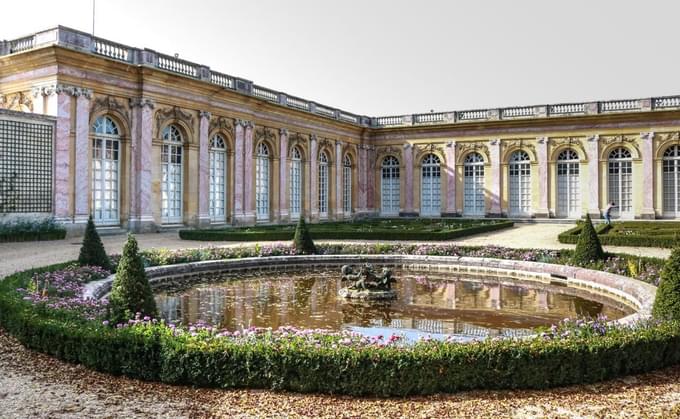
[
  {"x": 429, "y": 148},
  {"x": 622, "y": 139},
  {"x": 468, "y": 147},
  {"x": 173, "y": 113},
  {"x": 265, "y": 133},
  {"x": 18, "y": 101},
  {"x": 105, "y": 104},
  {"x": 574, "y": 142},
  {"x": 221, "y": 123}
]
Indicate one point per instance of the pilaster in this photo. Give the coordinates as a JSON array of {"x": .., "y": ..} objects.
[
  {"x": 647, "y": 150},
  {"x": 495, "y": 185},
  {"x": 338, "y": 181},
  {"x": 593, "y": 151},
  {"x": 249, "y": 174},
  {"x": 82, "y": 157},
  {"x": 239, "y": 139},
  {"x": 363, "y": 179},
  {"x": 314, "y": 177},
  {"x": 543, "y": 210},
  {"x": 203, "y": 169},
  {"x": 450, "y": 150},
  {"x": 141, "y": 216},
  {"x": 408, "y": 182}
]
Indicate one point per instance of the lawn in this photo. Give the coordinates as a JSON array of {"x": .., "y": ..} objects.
[
  {"x": 631, "y": 233},
  {"x": 371, "y": 229}
]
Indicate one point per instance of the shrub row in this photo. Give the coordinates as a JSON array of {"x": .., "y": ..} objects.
[
  {"x": 30, "y": 230},
  {"x": 153, "y": 352},
  {"x": 609, "y": 238},
  {"x": 321, "y": 232},
  {"x": 30, "y": 236}
]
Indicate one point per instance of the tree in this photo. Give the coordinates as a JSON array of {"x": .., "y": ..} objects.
[
  {"x": 304, "y": 245},
  {"x": 588, "y": 248},
  {"x": 131, "y": 292},
  {"x": 667, "y": 302},
  {"x": 92, "y": 251}
]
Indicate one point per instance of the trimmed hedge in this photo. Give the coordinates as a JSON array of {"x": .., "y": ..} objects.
[
  {"x": 328, "y": 232},
  {"x": 29, "y": 230},
  {"x": 654, "y": 235},
  {"x": 153, "y": 352},
  {"x": 32, "y": 236}
]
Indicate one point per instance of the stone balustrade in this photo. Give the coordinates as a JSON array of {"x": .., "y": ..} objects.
[{"x": 84, "y": 42}]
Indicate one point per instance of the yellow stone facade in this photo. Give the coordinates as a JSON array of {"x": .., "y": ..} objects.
[{"x": 81, "y": 80}]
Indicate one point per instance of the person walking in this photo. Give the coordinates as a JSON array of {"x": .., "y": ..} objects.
[{"x": 608, "y": 212}]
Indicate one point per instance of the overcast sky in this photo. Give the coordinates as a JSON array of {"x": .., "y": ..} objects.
[{"x": 395, "y": 57}]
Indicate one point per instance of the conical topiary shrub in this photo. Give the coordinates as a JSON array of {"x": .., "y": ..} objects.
[
  {"x": 304, "y": 245},
  {"x": 131, "y": 292},
  {"x": 92, "y": 251},
  {"x": 588, "y": 248},
  {"x": 667, "y": 302}
]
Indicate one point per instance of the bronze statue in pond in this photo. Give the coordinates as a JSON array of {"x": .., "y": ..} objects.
[{"x": 367, "y": 279}]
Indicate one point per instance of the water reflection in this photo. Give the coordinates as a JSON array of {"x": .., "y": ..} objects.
[{"x": 427, "y": 304}]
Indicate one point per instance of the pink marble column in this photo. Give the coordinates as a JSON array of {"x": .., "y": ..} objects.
[
  {"x": 248, "y": 173},
  {"x": 542, "y": 155},
  {"x": 370, "y": 179},
  {"x": 313, "y": 177},
  {"x": 495, "y": 296},
  {"x": 203, "y": 169},
  {"x": 495, "y": 187},
  {"x": 238, "y": 169},
  {"x": 647, "y": 150},
  {"x": 283, "y": 175},
  {"x": 338, "y": 180},
  {"x": 141, "y": 216},
  {"x": 82, "y": 172},
  {"x": 362, "y": 169},
  {"x": 59, "y": 105},
  {"x": 593, "y": 152},
  {"x": 450, "y": 179},
  {"x": 408, "y": 179}
]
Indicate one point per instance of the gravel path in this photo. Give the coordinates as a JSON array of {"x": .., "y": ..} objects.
[{"x": 35, "y": 385}]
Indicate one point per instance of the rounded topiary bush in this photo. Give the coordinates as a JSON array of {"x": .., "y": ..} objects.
[
  {"x": 588, "y": 248},
  {"x": 667, "y": 302},
  {"x": 304, "y": 245},
  {"x": 131, "y": 292},
  {"x": 92, "y": 251}
]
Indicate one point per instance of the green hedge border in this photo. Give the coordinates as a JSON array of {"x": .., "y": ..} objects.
[
  {"x": 32, "y": 236},
  {"x": 154, "y": 353},
  {"x": 324, "y": 234},
  {"x": 571, "y": 237}
]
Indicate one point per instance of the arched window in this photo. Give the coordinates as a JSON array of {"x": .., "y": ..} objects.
[
  {"x": 218, "y": 179},
  {"x": 262, "y": 183},
  {"x": 323, "y": 185},
  {"x": 389, "y": 187},
  {"x": 347, "y": 185},
  {"x": 295, "y": 183},
  {"x": 105, "y": 171},
  {"x": 171, "y": 170},
  {"x": 519, "y": 171},
  {"x": 671, "y": 181},
  {"x": 473, "y": 185},
  {"x": 568, "y": 184},
  {"x": 430, "y": 186},
  {"x": 620, "y": 182}
]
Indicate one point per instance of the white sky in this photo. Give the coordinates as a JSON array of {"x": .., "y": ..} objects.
[{"x": 395, "y": 57}]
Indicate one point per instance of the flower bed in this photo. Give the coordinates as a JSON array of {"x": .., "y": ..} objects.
[
  {"x": 631, "y": 233},
  {"x": 383, "y": 229},
  {"x": 315, "y": 360}
]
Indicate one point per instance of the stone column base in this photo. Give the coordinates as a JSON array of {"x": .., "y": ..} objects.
[
  {"x": 647, "y": 216},
  {"x": 408, "y": 214},
  {"x": 450, "y": 214},
  {"x": 595, "y": 215},
  {"x": 142, "y": 225}
]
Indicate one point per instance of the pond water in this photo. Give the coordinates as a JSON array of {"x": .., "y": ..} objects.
[{"x": 433, "y": 304}]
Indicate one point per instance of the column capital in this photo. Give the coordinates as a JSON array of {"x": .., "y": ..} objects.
[
  {"x": 647, "y": 135},
  {"x": 283, "y": 131},
  {"x": 408, "y": 146},
  {"x": 243, "y": 123},
  {"x": 542, "y": 140},
  {"x": 312, "y": 137},
  {"x": 451, "y": 144},
  {"x": 594, "y": 138},
  {"x": 204, "y": 114},
  {"x": 495, "y": 142},
  {"x": 82, "y": 92},
  {"x": 141, "y": 102}
]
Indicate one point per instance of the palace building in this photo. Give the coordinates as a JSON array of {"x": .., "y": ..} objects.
[{"x": 142, "y": 140}]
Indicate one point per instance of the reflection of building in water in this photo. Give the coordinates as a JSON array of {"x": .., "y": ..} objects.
[{"x": 169, "y": 307}]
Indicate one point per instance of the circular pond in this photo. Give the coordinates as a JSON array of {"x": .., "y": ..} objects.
[{"x": 428, "y": 303}]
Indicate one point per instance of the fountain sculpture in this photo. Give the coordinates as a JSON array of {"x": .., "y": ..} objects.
[{"x": 367, "y": 284}]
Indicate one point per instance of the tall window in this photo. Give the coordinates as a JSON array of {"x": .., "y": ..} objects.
[
  {"x": 473, "y": 185},
  {"x": 262, "y": 183},
  {"x": 430, "y": 186},
  {"x": 568, "y": 184},
  {"x": 389, "y": 187},
  {"x": 171, "y": 181},
  {"x": 218, "y": 178},
  {"x": 295, "y": 183},
  {"x": 347, "y": 185},
  {"x": 620, "y": 185},
  {"x": 671, "y": 181},
  {"x": 323, "y": 185},
  {"x": 105, "y": 168},
  {"x": 519, "y": 171}
]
